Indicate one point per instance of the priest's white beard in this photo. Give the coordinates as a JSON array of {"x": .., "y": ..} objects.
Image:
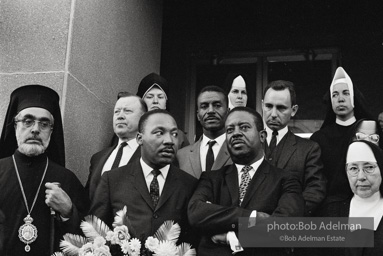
[{"x": 32, "y": 149}]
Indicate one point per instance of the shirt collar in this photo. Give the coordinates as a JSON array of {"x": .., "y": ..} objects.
[
  {"x": 219, "y": 140},
  {"x": 147, "y": 169},
  {"x": 347, "y": 122},
  {"x": 133, "y": 144},
  {"x": 281, "y": 133},
  {"x": 255, "y": 165}
]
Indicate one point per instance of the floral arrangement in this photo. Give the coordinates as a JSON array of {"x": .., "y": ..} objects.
[{"x": 100, "y": 240}]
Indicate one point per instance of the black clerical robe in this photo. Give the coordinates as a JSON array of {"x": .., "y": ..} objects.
[
  {"x": 31, "y": 170},
  {"x": 333, "y": 141}
]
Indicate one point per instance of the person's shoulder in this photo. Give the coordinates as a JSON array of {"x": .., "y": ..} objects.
[
  {"x": 220, "y": 173},
  {"x": 62, "y": 173},
  {"x": 273, "y": 170},
  {"x": 102, "y": 152},
  {"x": 6, "y": 161},
  {"x": 305, "y": 142},
  {"x": 184, "y": 150},
  {"x": 124, "y": 170},
  {"x": 183, "y": 175},
  {"x": 189, "y": 148},
  {"x": 57, "y": 167}
]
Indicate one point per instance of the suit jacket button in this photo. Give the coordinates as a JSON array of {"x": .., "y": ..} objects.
[
  {"x": 155, "y": 216},
  {"x": 233, "y": 225}
]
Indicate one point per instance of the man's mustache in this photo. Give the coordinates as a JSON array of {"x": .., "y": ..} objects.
[{"x": 36, "y": 138}]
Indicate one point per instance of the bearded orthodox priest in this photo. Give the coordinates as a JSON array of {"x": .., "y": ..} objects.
[{"x": 41, "y": 200}]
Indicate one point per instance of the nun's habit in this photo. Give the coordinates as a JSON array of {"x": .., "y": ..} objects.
[{"x": 334, "y": 135}]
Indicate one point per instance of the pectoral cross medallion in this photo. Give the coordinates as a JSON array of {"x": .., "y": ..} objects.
[{"x": 28, "y": 232}]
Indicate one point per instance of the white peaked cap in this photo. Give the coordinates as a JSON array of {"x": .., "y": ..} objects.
[
  {"x": 367, "y": 127},
  {"x": 359, "y": 151},
  {"x": 341, "y": 77},
  {"x": 239, "y": 82}
]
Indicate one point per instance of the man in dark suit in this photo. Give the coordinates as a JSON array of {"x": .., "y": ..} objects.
[
  {"x": 210, "y": 151},
  {"x": 249, "y": 188},
  {"x": 151, "y": 187},
  {"x": 288, "y": 151},
  {"x": 127, "y": 112}
]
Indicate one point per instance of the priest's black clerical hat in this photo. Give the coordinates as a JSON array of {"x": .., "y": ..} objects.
[{"x": 34, "y": 96}]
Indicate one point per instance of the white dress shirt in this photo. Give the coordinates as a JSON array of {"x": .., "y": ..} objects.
[
  {"x": 281, "y": 133},
  {"x": 127, "y": 153},
  {"x": 149, "y": 176},
  {"x": 255, "y": 166},
  {"x": 231, "y": 237},
  {"x": 205, "y": 147}
]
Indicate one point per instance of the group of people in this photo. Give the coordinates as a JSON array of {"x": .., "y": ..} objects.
[{"x": 244, "y": 165}]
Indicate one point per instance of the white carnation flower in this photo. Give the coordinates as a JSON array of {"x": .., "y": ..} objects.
[{"x": 135, "y": 245}]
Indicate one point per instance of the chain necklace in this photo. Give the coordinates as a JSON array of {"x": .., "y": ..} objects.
[{"x": 28, "y": 231}]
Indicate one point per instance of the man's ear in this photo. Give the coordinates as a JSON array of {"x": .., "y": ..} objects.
[
  {"x": 262, "y": 136},
  {"x": 139, "y": 138},
  {"x": 295, "y": 110}
]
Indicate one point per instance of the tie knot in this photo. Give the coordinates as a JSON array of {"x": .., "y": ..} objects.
[
  {"x": 275, "y": 133},
  {"x": 156, "y": 172},
  {"x": 123, "y": 144},
  {"x": 211, "y": 143},
  {"x": 246, "y": 168}
]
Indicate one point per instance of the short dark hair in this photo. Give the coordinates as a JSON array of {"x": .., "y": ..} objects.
[
  {"x": 144, "y": 108},
  {"x": 257, "y": 117},
  {"x": 144, "y": 118},
  {"x": 214, "y": 88},
  {"x": 280, "y": 85}
]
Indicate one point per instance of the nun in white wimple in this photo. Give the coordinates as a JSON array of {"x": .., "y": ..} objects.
[
  {"x": 237, "y": 92},
  {"x": 364, "y": 176},
  {"x": 363, "y": 164},
  {"x": 345, "y": 105}
]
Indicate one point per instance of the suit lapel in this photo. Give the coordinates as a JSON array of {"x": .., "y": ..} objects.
[
  {"x": 231, "y": 179},
  {"x": 136, "y": 155},
  {"x": 169, "y": 187},
  {"x": 102, "y": 160},
  {"x": 195, "y": 159},
  {"x": 140, "y": 184},
  {"x": 256, "y": 181},
  {"x": 222, "y": 157},
  {"x": 96, "y": 176},
  {"x": 289, "y": 147}
]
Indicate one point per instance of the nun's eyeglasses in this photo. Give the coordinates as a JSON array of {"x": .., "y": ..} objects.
[
  {"x": 373, "y": 137},
  {"x": 367, "y": 168},
  {"x": 44, "y": 125}
]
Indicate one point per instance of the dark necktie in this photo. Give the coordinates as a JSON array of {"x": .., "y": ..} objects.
[
  {"x": 210, "y": 156},
  {"x": 117, "y": 160},
  {"x": 245, "y": 180},
  {"x": 273, "y": 141},
  {"x": 155, "y": 187}
]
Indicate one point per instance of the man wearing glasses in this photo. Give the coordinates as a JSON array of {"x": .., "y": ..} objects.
[{"x": 41, "y": 200}]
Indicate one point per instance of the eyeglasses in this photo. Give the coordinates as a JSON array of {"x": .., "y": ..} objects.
[
  {"x": 373, "y": 137},
  {"x": 44, "y": 125},
  {"x": 353, "y": 169}
]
